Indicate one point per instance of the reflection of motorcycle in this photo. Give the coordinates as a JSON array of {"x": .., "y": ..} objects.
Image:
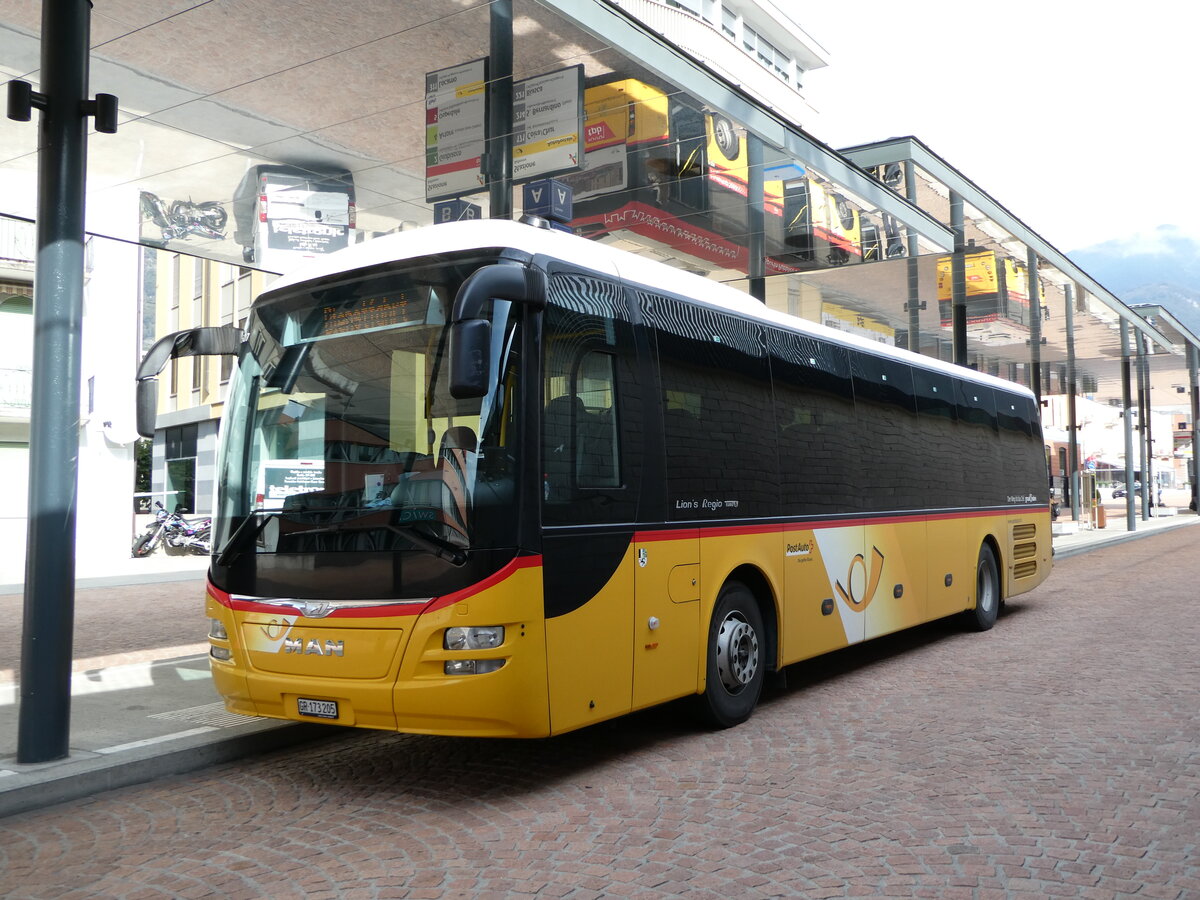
[
  {"x": 183, "y": 218},
  {"x": 176, "y": 532},
  {"x": 191, "y": 537},
  {"x": 152, "y": 536}
]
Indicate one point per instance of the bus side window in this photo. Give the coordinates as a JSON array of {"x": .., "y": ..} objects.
[
  {"x": 819, "y": 446},
  {"x": 886, "y": 409},
  {"x": 589, "y": 418},
  {"x": 942, "y": 477},
  {"x": 977, "y": 442},
  {"x": 596, "y": 435},
  {"x": 580, "y": 436},
  {"x": 718, "y": 422}
]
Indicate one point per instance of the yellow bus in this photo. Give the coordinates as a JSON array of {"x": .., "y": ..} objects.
[
  {"x": 485, "y": 478},
  {"x": 997, "y": 288},
  {"x": 660, "y": 166}
]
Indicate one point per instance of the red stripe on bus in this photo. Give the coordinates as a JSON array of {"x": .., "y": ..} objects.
[
  {"x": 521, "y": 562},
  {"x": 673, "y": 534},
  {"x": 386, "y": 609}
]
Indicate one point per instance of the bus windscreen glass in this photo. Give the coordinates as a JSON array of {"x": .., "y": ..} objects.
[{"x": 342, "y": 434}]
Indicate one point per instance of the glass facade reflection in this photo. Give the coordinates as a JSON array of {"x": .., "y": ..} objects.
[{"x": 260, "y": 137}]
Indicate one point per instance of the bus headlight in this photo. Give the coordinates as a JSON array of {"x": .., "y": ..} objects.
[
  {"x": 482, "y": 637},
  {"x": 222, "y": 653},
  {"x": 216, "y": 629}
]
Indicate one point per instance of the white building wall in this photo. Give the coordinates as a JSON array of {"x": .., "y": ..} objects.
[
  {"x": 109, "y": 351},
  {"x": 107, "y": 430}
]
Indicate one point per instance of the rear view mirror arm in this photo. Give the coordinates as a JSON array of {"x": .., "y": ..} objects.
[
  {"x": 470, "y": 333},
  {"x": 224, "y": 340}
]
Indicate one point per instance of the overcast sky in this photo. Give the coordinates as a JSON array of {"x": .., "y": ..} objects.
[{"x": 1080, "y": 117}]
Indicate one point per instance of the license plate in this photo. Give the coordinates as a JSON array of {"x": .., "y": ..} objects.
[{"x": 321, "y": 709}]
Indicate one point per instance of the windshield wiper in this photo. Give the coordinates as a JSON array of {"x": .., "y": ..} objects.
[
  {"x": 440, "y": 548},
  {"x": 243, "y": 534}
]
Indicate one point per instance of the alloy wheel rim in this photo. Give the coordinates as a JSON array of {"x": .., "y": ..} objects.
[{"x": 737, "y": 652}]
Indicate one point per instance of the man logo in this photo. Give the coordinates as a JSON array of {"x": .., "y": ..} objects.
[{"x": 313, "y": 647}]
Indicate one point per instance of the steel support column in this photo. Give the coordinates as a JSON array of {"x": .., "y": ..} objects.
[
  {"x": 1127, "y": 425},
  {"x": 1072, "y": 411},
  {"x": 913, "y": 306},
  {"x": 1194, "y": 382},
  {"x": 757, "y": 217},
  {"x": 44, "y": 719},
  {"x": 1035, "y": 325},
  {"x": 958, "y": 279},
  {"x": 500, "y": 109},
  {"x": 1143, "y": 390}
]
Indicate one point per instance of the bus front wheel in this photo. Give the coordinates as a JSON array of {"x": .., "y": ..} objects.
[
  {"x": 987, "y": 591},
  {"x": 736, "y": 661}
]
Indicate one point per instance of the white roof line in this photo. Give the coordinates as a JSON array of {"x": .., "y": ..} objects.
[{"x": 588, "y": 254}]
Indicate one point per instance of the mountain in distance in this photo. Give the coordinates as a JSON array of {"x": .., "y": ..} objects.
[{"x": 1161, "y": 266}]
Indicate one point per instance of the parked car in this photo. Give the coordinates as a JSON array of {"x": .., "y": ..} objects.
[{"x": 1119, "y": 492}]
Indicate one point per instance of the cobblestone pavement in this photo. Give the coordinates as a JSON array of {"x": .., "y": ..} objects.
[{"x": 1058, "y": 755}]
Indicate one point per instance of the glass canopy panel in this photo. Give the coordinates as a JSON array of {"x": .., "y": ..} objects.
[{"x": 214, "y": 95}]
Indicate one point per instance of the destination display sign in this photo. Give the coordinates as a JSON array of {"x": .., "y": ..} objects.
[
  {"x": 548, "y": 124},
  {"x": 388, "y": 306},
  {"x": 455, "y": 130},
  {"x": 372, "y": 312}
]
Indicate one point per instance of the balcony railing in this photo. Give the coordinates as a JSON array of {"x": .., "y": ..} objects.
[
  {"x": 18, "y": 242},
  {"x": 16, "y": 388}
]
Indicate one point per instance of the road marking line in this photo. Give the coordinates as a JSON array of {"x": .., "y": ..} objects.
[
  {"x": 119, "y": 678},
  {"x": 133, "y": 745}
]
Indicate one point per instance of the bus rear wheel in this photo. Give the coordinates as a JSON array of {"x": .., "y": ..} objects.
[
  {"x": 987, "y": 591},
  {"x": 736, "y": 661}
]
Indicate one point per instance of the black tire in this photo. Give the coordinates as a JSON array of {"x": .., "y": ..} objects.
[
  {"x": 736, "y": 658},
  {"x": 144, "y": 545},
  {"x": 987, "y": 591}
]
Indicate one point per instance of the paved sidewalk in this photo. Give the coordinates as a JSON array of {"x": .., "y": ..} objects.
[
  {"x": 142, "y": 702},
  {"x": 156, "y": 568}
]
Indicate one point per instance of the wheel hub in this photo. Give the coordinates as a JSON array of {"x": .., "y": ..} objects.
[{"x": 737, "y": 653}]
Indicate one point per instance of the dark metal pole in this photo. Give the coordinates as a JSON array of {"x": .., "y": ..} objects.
[
  {"x": 44, "y": 719},
  {"x": 757, "y": 218},
  {"x": 1072, "y": 411},
  {"x": 958, "y": 279},
  {"x": 1143, "y": 392},
  {"x": 1035, "y": 325},
  {"x": 912, "y": 264},
  {"x": 1127, "y": 422},
  {"x": 1194, "y": 381},
  {"x": 500, "y": 109}
]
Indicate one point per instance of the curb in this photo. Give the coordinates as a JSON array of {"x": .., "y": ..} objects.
[{"x": 47, "y": 784}]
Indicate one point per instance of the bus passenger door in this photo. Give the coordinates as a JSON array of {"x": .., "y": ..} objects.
[
  {"x": 667, "y": 644},
  {"x": 591, "y": 458}
]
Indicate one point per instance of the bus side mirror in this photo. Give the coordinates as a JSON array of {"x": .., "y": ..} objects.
[
  {"x": 470, "y": 341},
  {"x": 220, "y": 340},
  {"x": 147, "y": 406}
]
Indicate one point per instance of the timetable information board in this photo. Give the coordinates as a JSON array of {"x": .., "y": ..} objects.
[{"x": 455, "y": 130}]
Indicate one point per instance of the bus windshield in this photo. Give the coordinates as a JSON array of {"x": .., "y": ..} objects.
[{"x": 341, "y": 434}]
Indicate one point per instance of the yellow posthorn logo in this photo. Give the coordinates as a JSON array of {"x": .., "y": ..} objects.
[{"x": 848, "y": 596}]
